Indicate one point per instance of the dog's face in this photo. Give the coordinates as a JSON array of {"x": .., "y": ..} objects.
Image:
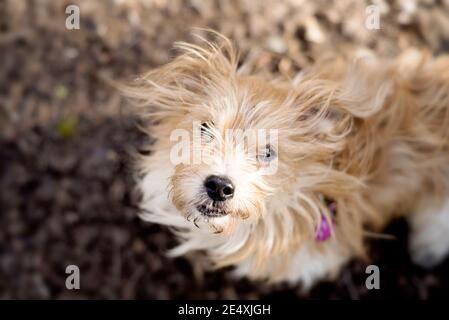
[
  {"x": 233, "y": 156},
  {"x": 239, "y": 145}
]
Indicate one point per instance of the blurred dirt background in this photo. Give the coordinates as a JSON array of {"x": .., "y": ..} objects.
[{"x": 66, "y": 186}]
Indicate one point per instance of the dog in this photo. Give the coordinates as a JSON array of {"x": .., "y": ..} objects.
[{"x": 359, "y": 141}]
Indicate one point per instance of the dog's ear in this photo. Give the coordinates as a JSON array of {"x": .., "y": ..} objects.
[
  {"x": 172, "y": 89},
  {"x": 336, "y": 92},
  {"x": 366, "y": 86}
]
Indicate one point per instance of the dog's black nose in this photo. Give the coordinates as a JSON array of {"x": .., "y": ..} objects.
[{"x": 219, "y": 188}]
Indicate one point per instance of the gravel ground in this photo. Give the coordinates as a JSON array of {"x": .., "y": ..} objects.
[{"x": 65, "y": 138}]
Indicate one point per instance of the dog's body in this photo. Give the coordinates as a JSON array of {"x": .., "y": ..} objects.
[{"x": 369, "y": 136}]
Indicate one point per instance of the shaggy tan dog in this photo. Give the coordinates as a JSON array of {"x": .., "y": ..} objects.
[{"x": 358, "y": 142}]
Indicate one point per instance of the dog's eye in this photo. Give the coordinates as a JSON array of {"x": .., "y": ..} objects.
[
  {"x": 268, "y": 154},
  {"x": 205, "y": 129}
]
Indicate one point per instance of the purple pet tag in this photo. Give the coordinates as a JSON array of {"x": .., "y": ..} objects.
[{"x": 324, "y": 230}]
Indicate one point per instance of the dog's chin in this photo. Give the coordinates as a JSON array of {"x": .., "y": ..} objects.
[{"x": 211, "y": 216}]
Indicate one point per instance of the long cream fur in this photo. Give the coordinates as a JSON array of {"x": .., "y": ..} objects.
[{"x": 370, "y": 134}]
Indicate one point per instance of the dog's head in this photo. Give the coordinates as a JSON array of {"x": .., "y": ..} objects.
[{"x": 243, "y": 149}]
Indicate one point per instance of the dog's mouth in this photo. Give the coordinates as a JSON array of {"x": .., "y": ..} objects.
[{"x": 211, "y": 210}]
